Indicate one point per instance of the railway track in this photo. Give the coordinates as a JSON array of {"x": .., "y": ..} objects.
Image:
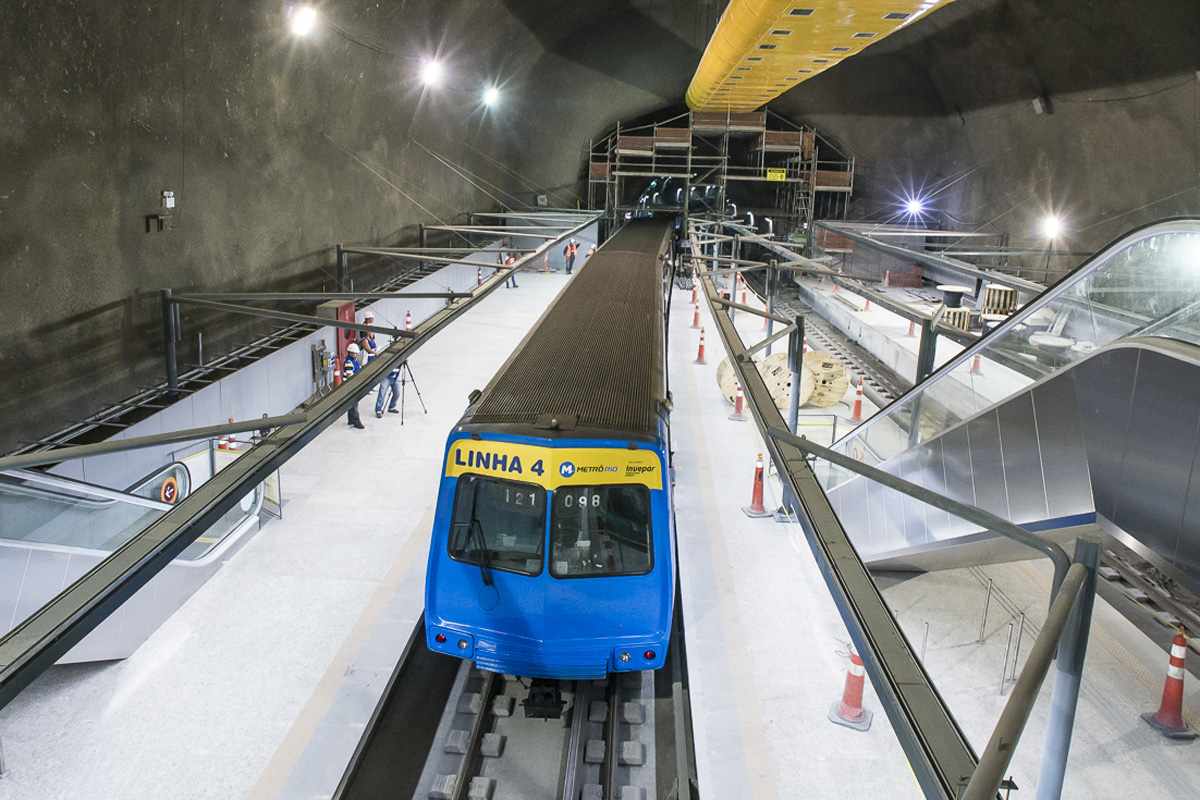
[
  {"x": 880, "y": 383},
  {"x": 485, "y": 748},
  {"x": 444, "y": 730}
]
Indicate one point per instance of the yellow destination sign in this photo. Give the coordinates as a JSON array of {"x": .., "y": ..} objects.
[{"x": 552, "y": 467}]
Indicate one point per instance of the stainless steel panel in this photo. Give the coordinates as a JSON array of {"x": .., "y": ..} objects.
[
  {"x": 1064, "y": 455},
  {"x": 1104, "y": 390},
  {"x": 1022, "y": 460},
  {"x": 1160, "y": 449},
  {"x": 987, "y": 464}
]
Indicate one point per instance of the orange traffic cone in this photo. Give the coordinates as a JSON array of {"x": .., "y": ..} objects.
[
  {"x": 693, "y": 294},
  {"x": 756, "y": 509},
  {"x": 742, "y": 281},
  {"x": 856, "y": 410},
  {"x": 867, "y": 305},
  {"x": 1168, "y": 720},
  {"x": 695, "y": 317},
  {"x": 739, "y": 400},
  {"x": 850, "y": 711},
  {"x": 408, "y": 320},
  {"x": 700, "y": 352},
  {"x": 976, "y": 363}
]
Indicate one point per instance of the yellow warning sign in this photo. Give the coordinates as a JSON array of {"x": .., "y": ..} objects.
[{"x": 776, "y": 174}]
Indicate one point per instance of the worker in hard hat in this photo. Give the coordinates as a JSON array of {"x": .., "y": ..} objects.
[
  {"x": 510, "y": 280},
  {"x": 366, "y": 339},
  {"x": 349, "y": 369},
  {"x": 569, "y": 255}
]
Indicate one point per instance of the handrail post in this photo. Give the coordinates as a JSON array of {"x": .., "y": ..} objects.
[
  {"x": 1065, "y": 697},
  {"x": 772, "y": 278},
  {"x": 170, "y": 334}
]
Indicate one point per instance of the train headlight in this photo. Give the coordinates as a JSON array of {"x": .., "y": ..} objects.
[
  {"x": 463, "y": 644},
  {"x": 625, "y": 656}
]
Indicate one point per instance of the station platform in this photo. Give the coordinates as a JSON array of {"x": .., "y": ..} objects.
[
  {"x": 261, "y": 684},
  {"x": 766, "y": 647},
  {"x": 763, "y": 635}
]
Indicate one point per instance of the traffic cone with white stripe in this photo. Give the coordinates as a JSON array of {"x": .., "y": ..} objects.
[
  {"x": 700, "y": 351},
  {"x": 1168, "y": 720},
  {"x": 850, "y": 712},
  {"x": 695, "y": 317},
  {"x": 693, "y": 294},
  {"x": 756, "y": 508},
  {"x": 856, "y": 410},
  {"x": 742, "y": 281},
  {"x": 408, "y": 320},
  {"x": 739, "y": 400},
  {"x": 976, "y": 364}
]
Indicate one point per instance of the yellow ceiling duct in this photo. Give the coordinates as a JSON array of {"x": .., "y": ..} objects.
[{"x": 762, "y": 48}]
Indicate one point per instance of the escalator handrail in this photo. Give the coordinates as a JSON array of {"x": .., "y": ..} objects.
[
  {"x": 1096, "y": 260},
  {"x": 67, "y": 486}
]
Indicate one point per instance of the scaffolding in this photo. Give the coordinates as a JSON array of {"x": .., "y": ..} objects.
[{"x": 707, "y": 151}]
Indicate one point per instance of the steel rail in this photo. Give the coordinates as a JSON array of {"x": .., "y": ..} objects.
[
  {"x": 940, "y": 755},
  {"x": 36, "y": 644},
  {"x": 961, "y": 267},
  {"x": 272, "y": 313},
  {"x": 309, "y": 296},
  {"x": 43, "y": 457}
]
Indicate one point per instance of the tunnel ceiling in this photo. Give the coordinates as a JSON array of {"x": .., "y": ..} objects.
[{"x": 276, "y": 149}]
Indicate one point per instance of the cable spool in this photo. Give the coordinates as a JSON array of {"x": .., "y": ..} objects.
[
  {"x": 830, "y": 379},
  {"x": 775, "y": 375}
]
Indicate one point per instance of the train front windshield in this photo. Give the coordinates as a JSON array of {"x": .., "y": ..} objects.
[
  {"x": 499, "y": 524},
  {"x": 600, "y": 530},
  {"x": 595, "y": 531}
]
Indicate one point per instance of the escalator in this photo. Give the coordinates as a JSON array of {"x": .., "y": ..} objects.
[
  {"x": 53, "y": 530},
  {"x": 1081, "y": 411}
]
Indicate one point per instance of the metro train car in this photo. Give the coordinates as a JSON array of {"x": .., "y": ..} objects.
[{"x": 552, "y": 553}]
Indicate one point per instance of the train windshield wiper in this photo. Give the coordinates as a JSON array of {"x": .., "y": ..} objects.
[{"x": 485, "y": 557}]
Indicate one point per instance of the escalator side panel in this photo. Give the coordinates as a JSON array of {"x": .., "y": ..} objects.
[{"x": 1064, "y": 455}]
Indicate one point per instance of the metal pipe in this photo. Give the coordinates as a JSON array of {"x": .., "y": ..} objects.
[
  {"x": 1020, "y": 636},
  {"x": 1007, "y": 652},
  {"x": 1069, "y": 667},
  {"x": 987, "y": 602},
  {"x": 421, "y": 257},
  {"x": 985, "y": 781},
  {"x": 271, "y": 313},
  {"x": 751, "y": 310},
  {"x": 767, "y": 342},
  {"x": 309, "y": 296},
  {"x": 169, "y": 335},
  {"x": 795, "y": 354},
  {"x": 985, "y": 519},
  {"x": 138, "y": 442},
  {"x": 772, "y": 279}
]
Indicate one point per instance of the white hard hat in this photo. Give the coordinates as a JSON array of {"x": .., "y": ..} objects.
[{"x": 352, "y": 349}]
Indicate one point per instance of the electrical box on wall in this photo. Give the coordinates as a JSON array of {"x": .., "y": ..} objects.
[{"x": 162, "y": 221}]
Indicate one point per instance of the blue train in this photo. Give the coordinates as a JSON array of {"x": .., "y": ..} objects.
[{"x": 553, "y": 546}]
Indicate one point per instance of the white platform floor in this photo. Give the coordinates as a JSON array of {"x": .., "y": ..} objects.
[
  {"x": 259, "y": 686},
  {"x": 763, "y": 634}
]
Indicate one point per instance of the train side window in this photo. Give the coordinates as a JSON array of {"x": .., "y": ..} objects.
[
  {"x": 499, "y": 524},
  {"x": 600, "y": 530}
]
